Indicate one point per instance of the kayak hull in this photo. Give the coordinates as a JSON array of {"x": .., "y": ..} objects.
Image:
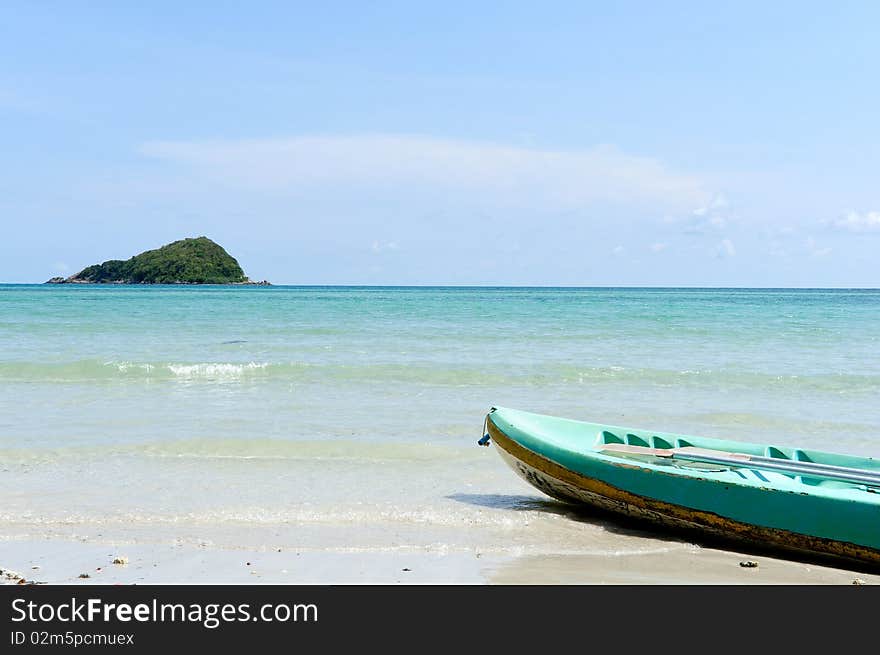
[{"x": 563, "y": 483}]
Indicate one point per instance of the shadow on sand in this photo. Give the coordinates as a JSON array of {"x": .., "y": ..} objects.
[
  {"x": 582, "y": 513},
  {"x": 637, "y": 527}
]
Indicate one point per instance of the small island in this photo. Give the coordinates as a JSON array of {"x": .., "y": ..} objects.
[{"x": 188, "y": 261}]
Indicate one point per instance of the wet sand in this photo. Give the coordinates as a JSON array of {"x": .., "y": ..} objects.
[{"x": 670, "y": 563}]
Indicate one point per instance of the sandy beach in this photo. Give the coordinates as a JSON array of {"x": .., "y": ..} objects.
[{"x": 640, "y": 558}]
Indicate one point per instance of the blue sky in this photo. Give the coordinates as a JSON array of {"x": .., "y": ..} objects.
[{"x": 630, "y": 143}]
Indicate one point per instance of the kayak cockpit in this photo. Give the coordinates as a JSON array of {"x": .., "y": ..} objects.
[{"x": 826, "y": 470}]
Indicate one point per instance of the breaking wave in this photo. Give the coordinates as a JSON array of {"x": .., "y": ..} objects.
[{"x": 430, "y": 373}]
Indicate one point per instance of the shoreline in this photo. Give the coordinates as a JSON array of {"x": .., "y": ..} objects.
[{"x": 246, "y": 283}]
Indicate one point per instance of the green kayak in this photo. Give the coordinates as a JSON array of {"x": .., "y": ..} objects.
[{"x": 780, "y": 497}]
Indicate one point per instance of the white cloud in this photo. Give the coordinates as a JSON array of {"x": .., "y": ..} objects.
[
  {"x": 618, "y": 251},
  {"x": 509, "y": 174},
  {"x": 709, "y": 218},
  {"x": 659, "y": 247},
  {"x": 725, "y": 249},
  {"x": 857, "y": 222},
  {"x": 718, "y": 202},
  {"x": 379, "y": 246},
  {"x": 814, "y": 250}
]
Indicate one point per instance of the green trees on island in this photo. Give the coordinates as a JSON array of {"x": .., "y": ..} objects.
[{"x": 188, "y": 261}]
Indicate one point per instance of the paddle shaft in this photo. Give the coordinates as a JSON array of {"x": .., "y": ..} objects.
[{"x": 813, "y": 469}]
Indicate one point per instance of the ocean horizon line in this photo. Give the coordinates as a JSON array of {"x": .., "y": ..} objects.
[{"x": 465, "y": 286}]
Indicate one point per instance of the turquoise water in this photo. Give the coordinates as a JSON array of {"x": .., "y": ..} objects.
[{"x": 334, "y": 417}]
